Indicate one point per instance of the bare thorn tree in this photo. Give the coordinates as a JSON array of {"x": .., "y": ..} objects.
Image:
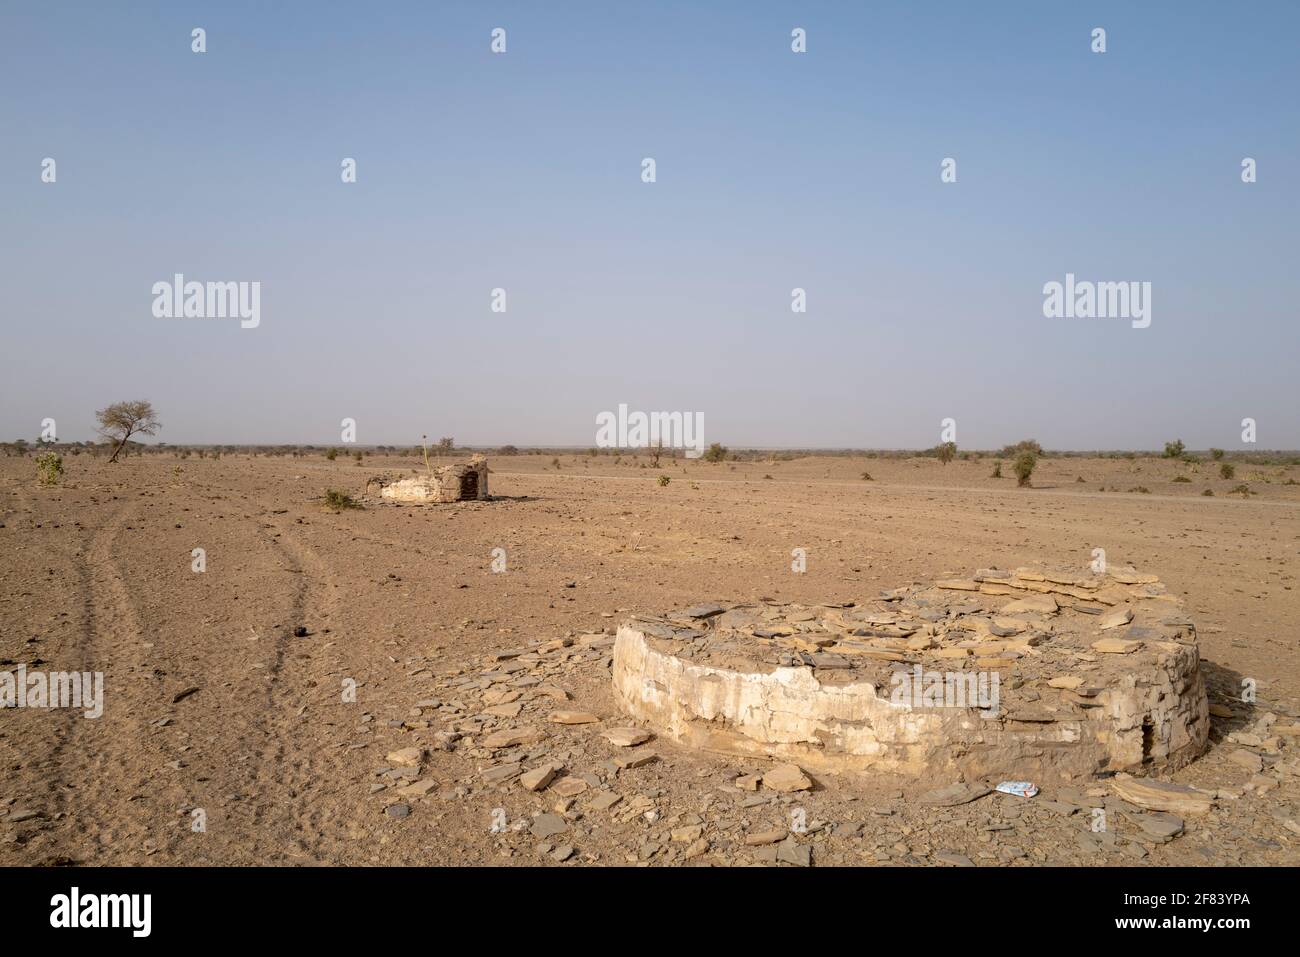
[{"x": 121, "y": 420}]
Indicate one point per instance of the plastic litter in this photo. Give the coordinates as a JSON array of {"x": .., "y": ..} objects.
[{"x": 1024, "y": 789}]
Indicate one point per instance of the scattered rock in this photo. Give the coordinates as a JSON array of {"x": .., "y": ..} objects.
[
  {"x": 406, "y": 757},
  {"x": 626, "y": 737},
  {"x": 1162, "y": 795},
  {"x": 786, "y": 778},
  {"x": 954, "y": 794},
  {"x": 538, "y": 777},
  {"x": 548, "y": 825}
]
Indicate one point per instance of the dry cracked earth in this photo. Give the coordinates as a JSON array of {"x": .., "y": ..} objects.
[{"x": 482, "y": 728}]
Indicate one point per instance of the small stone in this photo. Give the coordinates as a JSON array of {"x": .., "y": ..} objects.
[
  {"x": 626, "y": 737},
  {"x": 1032, "y": 604},
  {"x": 605, "y": 800},
  {"x": 418, "y": 789},
  {"x": 695, "y": 850},
  {"x": 406, "y": 757},
  {"x": 573, "y": 717},
  {"x": 538, "y": 777},
  {"x": 548, "y": 825},
  {"x": 1162, "y": 795},
  {"x": 512, "y": 737},
  {"x": 398, "y": 811},
  {"x": 1160, "y": 826},
  {"x": 749, "y": 782},
  {"x": 569, "y": 787},
  {"x": 562, "y": 853},
  {"x": 954, "y": 794},
  {"x": 687, "y": 835},
  {"x": 501, "y": 772},
  {"x": 1115, "y": 618},
  {"x": 1247, "y": 759},
  {"x": 953, "y": 858},
  {"x": 1067, "y": 682},
  {"x": 1115, "y": 646},
  {"x": 791, "y": 852},
  {"x": 760, "y": 838},
  {"x": 636, "y": 759},
  {"x": 786, "y": 778}
]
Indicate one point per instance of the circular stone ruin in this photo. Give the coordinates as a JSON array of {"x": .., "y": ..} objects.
[{"x": 1028, "y": 674}]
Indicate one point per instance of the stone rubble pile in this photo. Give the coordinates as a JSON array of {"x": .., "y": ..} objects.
[
  {"x": 1012, "y": 673},
  {"x": 526, "y": 747}
]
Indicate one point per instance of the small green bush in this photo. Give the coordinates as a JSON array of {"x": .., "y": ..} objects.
[
  {"x": 49, "y": 468},
  {"x": 663, "y": 480},
  {"x": 1227, "y": 471},
  {"x": 1024, "y": 467},
  {"x": 997, "y": 469},
  {"x": 1174, "y": 449},
  {"x": 337, "y": 501},
  {"x": 1181, "y": 478}
]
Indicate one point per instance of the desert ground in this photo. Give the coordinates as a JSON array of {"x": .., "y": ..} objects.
[{"x": 297, "y": 602}]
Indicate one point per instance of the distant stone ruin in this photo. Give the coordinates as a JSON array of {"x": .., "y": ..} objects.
[
  {"x": 462, "y": 482},
  {"x": 1026, "y": 675}
]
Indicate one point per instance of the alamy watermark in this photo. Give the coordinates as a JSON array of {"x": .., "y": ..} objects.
[
  {"x": 179, "y": 299},
  {"x": 1084, "y": 299},
  {"x": 55, "y": 689},
  {"x": 638, "y": 430},
  {"x": 920, "y": 688}
]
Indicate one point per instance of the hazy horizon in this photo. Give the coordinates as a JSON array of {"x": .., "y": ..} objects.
[{"x": 775, "y": 170}]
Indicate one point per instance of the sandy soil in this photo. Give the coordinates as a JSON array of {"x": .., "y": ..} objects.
[{"x": 96, "y": 575}]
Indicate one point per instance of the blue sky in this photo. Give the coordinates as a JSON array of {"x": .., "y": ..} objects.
[{"x": 775, "y": 170}]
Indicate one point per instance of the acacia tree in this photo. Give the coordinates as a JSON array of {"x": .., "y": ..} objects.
[{"x": 121, "y": 420}]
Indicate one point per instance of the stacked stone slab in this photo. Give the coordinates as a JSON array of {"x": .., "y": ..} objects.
[
  {"x": 465, "y": 481},
  {"x": 1088, "y": 674}
]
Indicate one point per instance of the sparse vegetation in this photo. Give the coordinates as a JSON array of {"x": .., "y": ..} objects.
[
  {"x": 1208, "y": 492},
  {"x": 663, "y": 480},
  {"x": 1243, "y": 490},
  {"x": 866, "y": 477},
  {"x": 332, "y": 454},
  {"x": 1024, "y": 465},
  {"x": 49, "y": 468},
  {"x": 946, "y": 452},
  {"x": 1182, "y": 478},
  {"x": 1216, "y": 454},
  {"x": 1227, "y": 471},
  {"x": 997, "y": 469},
  {"x": 1174, "y": 449},
  {"x": 716, "y": 453},
  {"x": 337, "y": 501},
  {"x": 121, "y": 420},
  {"x": 1024, "y": 445}
]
